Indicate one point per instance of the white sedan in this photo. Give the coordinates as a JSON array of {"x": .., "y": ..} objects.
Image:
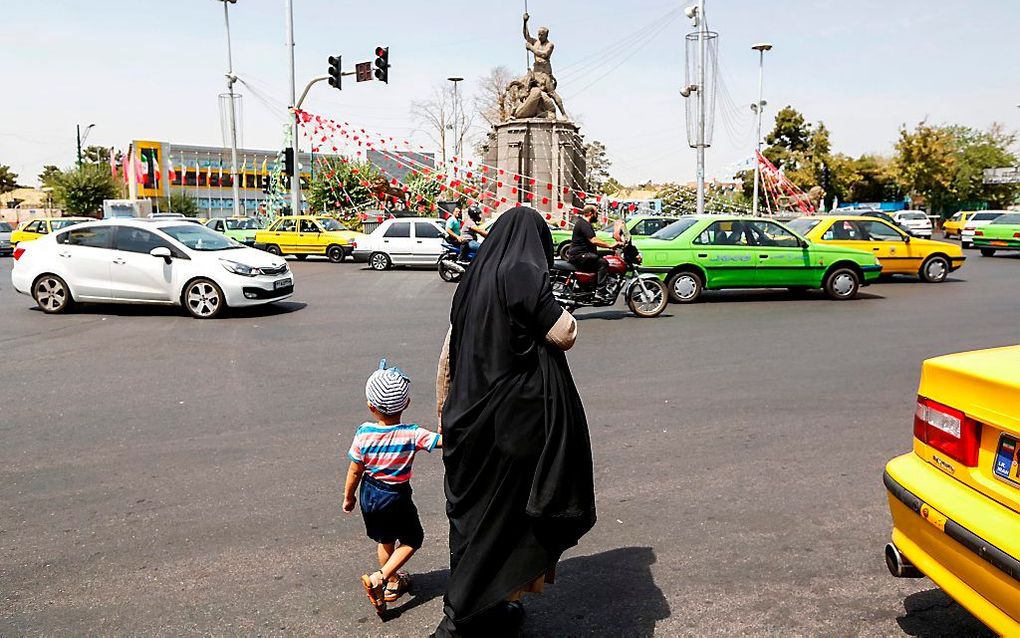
[
  {"x": 404, "y": 241},
  {"x": 163, "y": 262},
  {"x": 914, "y": 221},
  {"x": 977, "y": 220}
]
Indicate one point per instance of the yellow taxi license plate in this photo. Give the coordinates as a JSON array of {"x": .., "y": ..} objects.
[{"x": 1007, "y": 460}]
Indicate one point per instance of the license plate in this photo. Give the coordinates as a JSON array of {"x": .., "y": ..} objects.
[
  {"x": 998, "y": 243},
  {"x": 1007, "y": 459},
  {"x": 281, "y": 283}
]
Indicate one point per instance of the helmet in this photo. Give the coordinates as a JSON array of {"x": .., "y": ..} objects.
[{"x": 475, "y": 212}]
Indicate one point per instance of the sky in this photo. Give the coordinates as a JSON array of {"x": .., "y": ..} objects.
[{"x": 153, "y": 70}]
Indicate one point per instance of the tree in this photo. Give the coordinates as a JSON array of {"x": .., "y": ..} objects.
[
  {"x": 182, "y": 203},
  {"x": 926, "y": 164},
  {"x": 491, "y": 101},
  {"x": 436, "y": 116},
  {"x": 81, "y": 191},
  {"x": 99, "y": 155},
  {"x": 611, "y": 187},
  {"x": 8, "y": 180},
  {"x": 48, "y": 175},
  {"x": 341, "y": 185},
  {"x": 976, "y": 151},
  {"x": 597, "y": 165}
]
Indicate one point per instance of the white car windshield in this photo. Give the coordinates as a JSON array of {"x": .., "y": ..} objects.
[
  {"x": 914, "y": 216},
  {"x": 198, "y": 237}
]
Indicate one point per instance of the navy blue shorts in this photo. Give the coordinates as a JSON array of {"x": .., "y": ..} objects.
[{"x": 389, "y": 513}]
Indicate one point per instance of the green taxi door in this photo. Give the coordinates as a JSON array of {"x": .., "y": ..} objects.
[
  {"x": 782, "y": 259},
  {"x": 725, "y": 253}
]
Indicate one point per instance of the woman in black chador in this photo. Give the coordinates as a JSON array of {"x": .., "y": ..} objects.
[{"x": 519, "y": 485}]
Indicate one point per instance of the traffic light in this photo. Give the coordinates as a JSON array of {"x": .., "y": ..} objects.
[
  {"x": 382, "y": 64},
  {"x": 334, "y": 72},
  {"x": 288, "y": 162}
]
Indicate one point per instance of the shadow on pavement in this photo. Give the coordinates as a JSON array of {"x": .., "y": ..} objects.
[
  {"x": 143, "y": 310},
  {"x": 424, "y": 587},
  {"x": 611, "y": 315},
  {"x": 773, "y": 294},
  {"x": 933, "y": 613}
]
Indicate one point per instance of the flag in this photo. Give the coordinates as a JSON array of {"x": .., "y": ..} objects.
[
  {"x": 126, "y": 167},
  {"x": 171, "y": 173},
  {"x": 113, "y": 162},
  {"x": 265, "y": 163}
]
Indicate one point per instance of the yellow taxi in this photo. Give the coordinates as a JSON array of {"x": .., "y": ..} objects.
[
  {"x": 303, "y": 235},
  {"x": 955, "y": 500},
  {"x": 898, "y": 252},
  {"x": 36, "y": 228},
  {"x": 953, "y": 226}
]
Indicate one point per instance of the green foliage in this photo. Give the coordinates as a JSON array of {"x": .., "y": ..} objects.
[
  {"x": 342, "y": 188},
  {"x": 99, "y": 155},
  {"x": 8, "y": 180},
  {"x": 679, "y": 199},
  {"x": 611, "y": 186},
  {"x": 182, "y": 203},
  {"x": 424, "y": 190},
  {"x": 82, "y": 191},
  {"x": 597, "y": 165},
  {"x": 49, "y": 175}
]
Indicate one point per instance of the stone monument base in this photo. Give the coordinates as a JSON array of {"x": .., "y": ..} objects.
[{"x": 542, "y": 163}]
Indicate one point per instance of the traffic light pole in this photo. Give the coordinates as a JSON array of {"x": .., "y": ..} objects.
[{"x": 295, "y": 180}]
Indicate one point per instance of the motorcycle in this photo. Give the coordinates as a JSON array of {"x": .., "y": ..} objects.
[
  {"x": 645, "y": 293},
  {"x": 451, "y": 269}
]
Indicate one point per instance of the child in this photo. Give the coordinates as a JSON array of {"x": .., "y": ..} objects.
[{"x": 381, "y": 457}]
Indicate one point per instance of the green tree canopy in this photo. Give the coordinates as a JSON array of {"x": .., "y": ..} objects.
[
  {"x": 48, "y": 175},
  {"x": 339, "y": 187},
  {"x": 82, "y": 191},
  {"x": 8, "y": 180},
  {"x": 597, "y": 165}
]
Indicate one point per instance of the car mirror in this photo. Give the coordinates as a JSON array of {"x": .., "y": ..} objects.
[
  {"x": 161, "y": 251},
  {"x": 906, "y": 238}
]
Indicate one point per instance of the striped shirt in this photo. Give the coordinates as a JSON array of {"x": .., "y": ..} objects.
[{"x": 387, "y": 451}]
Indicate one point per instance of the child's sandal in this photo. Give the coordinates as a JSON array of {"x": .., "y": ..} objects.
[
  {"x": 396, "y": 589},
  {"x": 375, "y": 593}
]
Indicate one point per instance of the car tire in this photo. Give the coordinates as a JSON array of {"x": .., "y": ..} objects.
[
  {"x": 335, "y": 254},
  {"x": 935, "y": 269},
  {"x": 562, "y": 250},
  {"x": 685, "y": 287},
  {"x": 842, "y": 284},
  {"x": 52, "y": 294},
  {"x": 203, "y": 299},
  {"x": 987, "y": 252},
  {"x": 379, "y": 261},
  {"x": 273, "y": 249},
  {"x": 301, "y": 257}
]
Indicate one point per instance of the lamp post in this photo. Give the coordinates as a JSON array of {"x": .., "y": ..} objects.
[
  {"x": 456, "y": 136},
  {"x": 231, "y": 78},
  {"x": 757, "y": 107},
  {"x": 295, "y": 179},
  {"x": 82, "y": 138}
]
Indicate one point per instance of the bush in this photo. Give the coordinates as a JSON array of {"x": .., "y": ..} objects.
[{"x": 81, "y": 191}]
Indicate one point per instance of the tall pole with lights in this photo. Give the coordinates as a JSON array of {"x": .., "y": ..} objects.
[
  {"x": 758, "y": 107},
  {"x": 82, "y": 138},
  {"x": 456, "y": 127},
  {"x": 231, "y": 78},
  {"x": 295, "y": 180}
]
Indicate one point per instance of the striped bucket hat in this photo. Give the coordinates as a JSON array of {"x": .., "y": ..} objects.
[{"x": 388, "y": 389}]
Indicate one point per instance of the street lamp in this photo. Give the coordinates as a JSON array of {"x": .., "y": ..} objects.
[
  {"x": 758, "y": 107},
  {"x": 456, "y": 143},
  {"x": 231, "y": 78},
  {"x": 82, "y": 138}
]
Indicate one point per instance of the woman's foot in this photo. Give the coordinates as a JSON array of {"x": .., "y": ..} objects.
[
  {"x": 397, "y": 586},
  {"x": 374, "y": 585}
]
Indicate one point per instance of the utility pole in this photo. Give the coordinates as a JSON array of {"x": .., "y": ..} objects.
[
  {"x": 701, "y": 107},
  {"x": 456, "y": 128},
  {"x": 82, "y": 139},
  {"x": 758, "y": 107},
  {"x": 295, "y": 180},
  {"x": 231, "y": 78}
]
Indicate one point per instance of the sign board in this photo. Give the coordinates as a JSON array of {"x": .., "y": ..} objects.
[
  {"x": 1008, "y": 175},
  {"x": 363, "y": 71}
]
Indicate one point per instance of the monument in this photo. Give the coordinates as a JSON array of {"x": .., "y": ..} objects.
[{"x": 538, "y": 149}]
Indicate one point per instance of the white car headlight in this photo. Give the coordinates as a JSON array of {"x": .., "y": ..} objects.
[{"x": 240, "y": 269}]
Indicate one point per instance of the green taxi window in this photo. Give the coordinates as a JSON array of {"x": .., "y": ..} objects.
[
  {"x": 771, "y": 234},
  {"x": 675, "y": 229},
  {"x": 1009, "y": 219},
  {"x": 728, "y": 233}
]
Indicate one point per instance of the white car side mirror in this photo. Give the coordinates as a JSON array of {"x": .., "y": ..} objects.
[{"x": 161, "y": 251}]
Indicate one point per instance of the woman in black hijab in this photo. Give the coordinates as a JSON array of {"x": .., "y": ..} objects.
[{"x": 519, "y": 484}]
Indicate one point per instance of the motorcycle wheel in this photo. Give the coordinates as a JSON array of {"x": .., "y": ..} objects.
[
  {"x": 448, "y": 274},
  {"x": 648, "y": 302}
]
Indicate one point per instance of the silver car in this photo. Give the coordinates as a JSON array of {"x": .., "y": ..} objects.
[{"x": 5, "y": 239}]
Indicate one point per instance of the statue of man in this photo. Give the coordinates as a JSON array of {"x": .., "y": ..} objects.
[{"x": 543, "y": 49}]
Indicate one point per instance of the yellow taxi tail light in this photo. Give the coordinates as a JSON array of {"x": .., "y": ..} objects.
[{"x": 947, "y": 430}]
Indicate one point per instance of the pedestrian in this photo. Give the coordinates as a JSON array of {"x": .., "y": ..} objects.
[
  {"x": 381, "y": 457},
  {"x": 519, "y": 479}
]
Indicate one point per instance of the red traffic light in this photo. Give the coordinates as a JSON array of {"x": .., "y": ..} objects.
[{"x": 380, "y": 51}]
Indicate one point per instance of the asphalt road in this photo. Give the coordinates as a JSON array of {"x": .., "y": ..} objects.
[{"x": 163, "y": 475}]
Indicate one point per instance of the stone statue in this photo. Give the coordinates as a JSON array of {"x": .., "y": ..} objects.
[
  {"x": 527, "y": 99},
  {"x": 543, "y": 50}
]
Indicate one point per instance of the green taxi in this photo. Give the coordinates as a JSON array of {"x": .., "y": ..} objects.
[
  {"x": 1002, "y": 234},
  {"x": 712, "y": 252},
  {"x": 240, "y": 229}
]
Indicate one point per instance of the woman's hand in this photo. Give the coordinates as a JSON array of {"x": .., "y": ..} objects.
[{"x": 349, "y": 504}]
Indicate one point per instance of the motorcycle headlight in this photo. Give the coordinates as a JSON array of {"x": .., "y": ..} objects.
[{"x": 240, "y": 269}]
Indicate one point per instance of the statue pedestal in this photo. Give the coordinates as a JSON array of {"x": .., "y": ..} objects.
[{"x": 549, "y": 157}]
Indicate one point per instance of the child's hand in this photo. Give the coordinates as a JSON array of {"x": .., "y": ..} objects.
[{"x": 349, "y": 504}]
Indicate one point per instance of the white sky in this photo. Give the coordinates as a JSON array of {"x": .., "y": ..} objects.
[{"x": 153, "y": 70}]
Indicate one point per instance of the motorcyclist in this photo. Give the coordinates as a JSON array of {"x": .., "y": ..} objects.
[
  {"x": 454, "y": 229},
  {"x": 473, "y": 231},
  {"x": 583, "y": 250}
]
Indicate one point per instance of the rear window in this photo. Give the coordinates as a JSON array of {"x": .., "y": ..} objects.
[
  {"x": 675, "y": 229},
  {"x": 803, "y": 225},
  {"x": 983, "y": 217},
  {"x": 5, "y": 227},
  {"x": 92, "y": 236},
  {"x": 402, "y": 229},
  {"x": 913, "y": 216},
  {"x": 1011, "y": 219}
]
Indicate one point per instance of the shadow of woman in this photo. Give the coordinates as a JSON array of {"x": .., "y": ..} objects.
[{"x": 607, "y": 594}]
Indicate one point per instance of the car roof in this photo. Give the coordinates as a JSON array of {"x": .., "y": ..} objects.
[
  {"x": 854, "y": 218},
  {"x": 140, "y": 222}
]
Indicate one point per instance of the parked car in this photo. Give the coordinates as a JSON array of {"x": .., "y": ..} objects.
[
  {"x": 166, "y": 216},
  {"x": 241, "y": 229},
  {"x": 36, "y": 228},
  {"x": 416, "y": 241},
  {"x": 955, "y": 499},
  {"x": 704, "y": 252},
  {"x": 1002, "y": 234},
  {"x": 915, "y": 221},
  {"x": 164, "y": 262},
  {"x": 978, "y": 220},
  {"x": 6, "y": 248},
  {"x": 953, "y": 226},
  {"x": 898, "y": 252},
  {"x": 303, "y": 235}
]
